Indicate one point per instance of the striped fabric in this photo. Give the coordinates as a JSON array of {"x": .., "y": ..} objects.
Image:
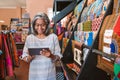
[{"x": 41, "y": 67}]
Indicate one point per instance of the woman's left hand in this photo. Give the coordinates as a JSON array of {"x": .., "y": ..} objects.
[{"x": 45, "y": 52}]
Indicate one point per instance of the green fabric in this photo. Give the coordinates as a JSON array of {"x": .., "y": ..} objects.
[{"x": 116, "y": 69}]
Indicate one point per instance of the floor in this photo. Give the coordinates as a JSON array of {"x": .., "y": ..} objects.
[{"x": 21, "y": 73}]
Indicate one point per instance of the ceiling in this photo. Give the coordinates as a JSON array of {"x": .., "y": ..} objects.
[{"x": 12, "y": 3}]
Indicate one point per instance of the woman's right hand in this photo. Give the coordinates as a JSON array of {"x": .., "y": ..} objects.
[{"x": 28, "y": 58}]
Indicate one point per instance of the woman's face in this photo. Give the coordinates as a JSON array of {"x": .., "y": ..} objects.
[{"x": 40, "y": 26}]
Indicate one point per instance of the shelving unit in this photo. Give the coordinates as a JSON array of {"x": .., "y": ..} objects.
[
  {"x": 20, "y": 29},
  {"x": 88, "y": 70}
]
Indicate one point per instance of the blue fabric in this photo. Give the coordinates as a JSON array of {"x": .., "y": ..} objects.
[
  {"x": 84, "y": 13},
  {"x": 80, "y": 6},
  {"x": 90, "y": 39},
  {"x": 98, "y": 7},
  {"x": 91, "y": 7},
  {"x": 114, "y": 47}
]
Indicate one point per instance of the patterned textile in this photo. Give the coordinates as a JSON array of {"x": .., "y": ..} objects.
[
  {"x": 79, "y": 36},
  {"x": 105, "y": 6},
  {"x": 98, "y": 7},
  {"x": 88, "y": 38},
  {"x": 96, "y": 23},
  {"x": 75, "y": 11},
  {"x": 41, "y": 67},
  {"x": 59, "y": 71},
  {"x": 80, "y": 7},
  {"x": 84, "y": 16},
  {"x": 87, "y": 26},
  {"x": 59, "y": 76},
  {"x": 90, "y": 12},
  {"x": 109, "y": 43}
]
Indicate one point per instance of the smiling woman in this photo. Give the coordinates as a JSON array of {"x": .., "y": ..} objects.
[{"x": 42, "y": 66}]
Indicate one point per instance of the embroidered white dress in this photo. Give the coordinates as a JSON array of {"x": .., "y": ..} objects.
[{"x": 41, "y": 67}]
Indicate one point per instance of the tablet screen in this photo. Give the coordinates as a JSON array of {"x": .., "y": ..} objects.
[{"x": 35, "y": 51}]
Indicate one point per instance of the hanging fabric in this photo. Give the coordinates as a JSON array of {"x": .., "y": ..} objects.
[
  {"x": 16, "y": 59},
  {"x": 109, "y": 42},
  {"x": 2, "y": 62},
  {"x": 8, "y": 61},
  {"x": 117, "y": 69}
]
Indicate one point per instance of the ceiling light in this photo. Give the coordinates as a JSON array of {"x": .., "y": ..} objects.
[{"x": 1, "y": 21}]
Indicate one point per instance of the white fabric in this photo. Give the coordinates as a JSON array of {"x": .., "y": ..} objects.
[{"x": 41, "y": 67}]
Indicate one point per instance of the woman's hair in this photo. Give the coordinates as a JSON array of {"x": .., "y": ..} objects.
[{"x": 46, "y": 19}]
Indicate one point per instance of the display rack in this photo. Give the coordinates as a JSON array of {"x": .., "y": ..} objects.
[
  {"x": 88, "y": 70},
  {"x": 20, "y": 29}
]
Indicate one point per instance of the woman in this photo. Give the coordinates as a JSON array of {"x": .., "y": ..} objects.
[{"x": 42, "y": 66}]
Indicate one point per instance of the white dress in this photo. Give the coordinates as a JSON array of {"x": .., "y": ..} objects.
[{"x": 41, "y": 67}]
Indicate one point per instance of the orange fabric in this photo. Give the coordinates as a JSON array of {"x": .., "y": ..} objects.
[
  {"x": 60, "y": 36},
  {"x": 14, "y": 51}
]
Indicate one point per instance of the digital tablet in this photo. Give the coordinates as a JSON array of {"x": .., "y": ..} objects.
[{"x": 35, "y": 51}]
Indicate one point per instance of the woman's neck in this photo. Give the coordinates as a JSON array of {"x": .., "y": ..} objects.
[{"x": 41, "y": 36}]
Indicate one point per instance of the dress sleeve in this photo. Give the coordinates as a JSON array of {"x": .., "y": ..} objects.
[
  {"x": 57, "y": 47},
  {"x": 25, "y": 49}
]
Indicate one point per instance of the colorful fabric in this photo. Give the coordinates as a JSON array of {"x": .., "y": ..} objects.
[
  {"x": 79, "y": 36},
  {"x": 91, "y": 11},
  {"x": 15, "y": 54},
  {"x": 84, "y": 16},
  {"x": 98, "y": 7},
  {"x": 96, "y": 23},
  {"x": 116, "y": 71},
  {"x": 80, "y": 7},
  {"x": 2, "y": 61},
  {"x": 88, "y": 38},
  {"x": 105, "y": 6},
  {"x": 41, "y": 67},
  {"x": 87, "y": 26},
  {"x": 117, "y": 26},
  {"x": 2, "y": 68},
  {"x": 8, "y": 60}
]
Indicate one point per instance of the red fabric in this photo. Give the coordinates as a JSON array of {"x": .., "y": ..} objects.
[
  {"x": 117, "y": 26},
  {"x": 96, "y": 23},
  {"x": 14, "y": 51},
  {"x": 0, "y": 41},
  {"x": 2, "y": 67},
  {"x": 2, "y": 62},
  {"x": 118, "y": 75},
  {"x": 8, "y": 60}
]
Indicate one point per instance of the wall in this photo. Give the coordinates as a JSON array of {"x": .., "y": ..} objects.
[
  {"x": 7, "y": 13},
  {"x": 35, "y": 6}
]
